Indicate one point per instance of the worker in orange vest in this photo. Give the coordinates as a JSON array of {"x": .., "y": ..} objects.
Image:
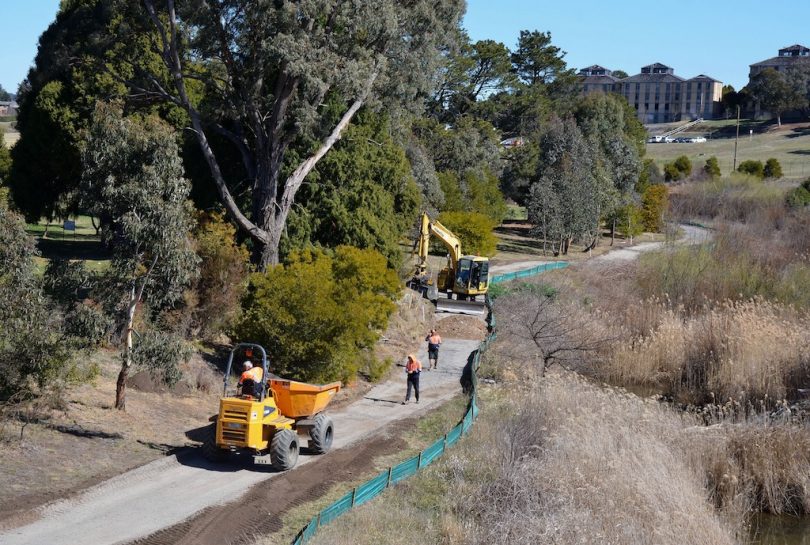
[
  {"x": 251, "y": 374},
  {"x": 412, "y": 368},
  {"x": 434, "y": 340}
]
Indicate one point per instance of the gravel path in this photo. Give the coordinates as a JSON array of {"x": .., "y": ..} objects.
[
  {"x": 160, "y": 494},
  {"x": 691, "y": 235}
]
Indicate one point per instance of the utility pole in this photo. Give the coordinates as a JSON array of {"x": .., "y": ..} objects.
[{"x": 734, "y": 167}]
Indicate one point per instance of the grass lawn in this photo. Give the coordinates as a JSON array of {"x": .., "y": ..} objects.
[
  {"x": 790, "y": 144},
  {"x": 10, "y": 136},
  {"x": 516, "y": 212},
  {"x": 82, "y": 244}
]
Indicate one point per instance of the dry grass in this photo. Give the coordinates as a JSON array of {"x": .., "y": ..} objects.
[
  {"x": 566, "y": 463},
  {"x": 738, "y": 350}
]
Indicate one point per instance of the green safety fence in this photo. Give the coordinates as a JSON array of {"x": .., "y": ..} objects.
[
  {"x": 507, "y": 277},
  {"x": 374, "y": 487}
]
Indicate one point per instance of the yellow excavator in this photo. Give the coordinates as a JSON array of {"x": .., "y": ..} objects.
[{"x": 466, "y": 276}]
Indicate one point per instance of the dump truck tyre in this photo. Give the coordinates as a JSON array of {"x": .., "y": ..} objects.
[
  {"x": 284, "y": 450},
  {"x": 210, "y": 450},
  {"x": 321, "y": 434}
]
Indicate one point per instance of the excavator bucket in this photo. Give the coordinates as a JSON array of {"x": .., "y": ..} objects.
[{"x": 453, "y": 306}]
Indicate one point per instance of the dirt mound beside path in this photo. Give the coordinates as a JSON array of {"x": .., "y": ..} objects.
[{"x": 461, "y": 327}]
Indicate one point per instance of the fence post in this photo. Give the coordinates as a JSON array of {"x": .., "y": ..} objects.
[
  {"x": 388, "y": 482},
  {"x": 354, "y": 495},
  {"x": 419, "y": 463}
]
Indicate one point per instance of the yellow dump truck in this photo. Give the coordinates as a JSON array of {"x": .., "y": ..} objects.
[{"x": 267, "y": 416}]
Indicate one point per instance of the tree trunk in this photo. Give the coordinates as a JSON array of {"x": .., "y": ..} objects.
[
  {"x": 779, "y": 119},
  {"x": 135, "y": 295},
  {"x": 268, "y": 255},
  {"x": 93, "y": 223},
  {"x": 121, "y": 388},
  {"x": 613, "y": 231}
]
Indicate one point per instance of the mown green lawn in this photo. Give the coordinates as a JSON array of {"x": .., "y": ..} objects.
[
  {"x": 790, "y": 144},
  {"x": 83, "y": 244}
]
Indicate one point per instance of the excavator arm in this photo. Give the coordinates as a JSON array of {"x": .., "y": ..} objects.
[{"x": 450, "y": 241}]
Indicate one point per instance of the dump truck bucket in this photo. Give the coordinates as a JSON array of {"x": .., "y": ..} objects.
[
  {"x": 299, "y": 399},
  {"x": 453, "y": 306}
]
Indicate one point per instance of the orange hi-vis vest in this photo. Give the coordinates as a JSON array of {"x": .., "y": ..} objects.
[
  {"x": 413, "y": 366},
  {"x": 255, "y": 374}
]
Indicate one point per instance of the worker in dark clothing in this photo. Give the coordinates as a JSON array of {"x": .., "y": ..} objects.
[
  {"x": 434, "y": 341},
  {"x": 412, "y": 368}
]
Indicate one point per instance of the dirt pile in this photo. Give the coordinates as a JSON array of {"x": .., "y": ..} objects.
[{"x": 461, "y": 327}]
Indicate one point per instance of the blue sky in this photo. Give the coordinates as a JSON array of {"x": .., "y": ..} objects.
[
  {"x": 719, "y": 38},
  {"x": 715, "y": 37}
]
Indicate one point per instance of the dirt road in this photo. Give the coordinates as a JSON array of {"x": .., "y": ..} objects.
[
  {"x": 691, "y": 235},
  {"x": 166, "y": 492}
]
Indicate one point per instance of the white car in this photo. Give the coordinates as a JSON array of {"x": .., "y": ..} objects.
[{"x": 698, "y": 140}]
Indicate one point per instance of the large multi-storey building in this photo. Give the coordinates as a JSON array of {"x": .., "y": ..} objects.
[
  {"x": 657, "y": 94},
  {"x": 789, "y": 56},
  {"x": 597, "y": 78}
]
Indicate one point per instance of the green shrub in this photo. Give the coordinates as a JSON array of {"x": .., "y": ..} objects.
[
  {"x": 671, "y": 173},
  {"x": 318, "y": 314},
  {"x": 798, "y": 197},
  {"x": 654, "y": 203},
  {"x": 630, "y": 219},
  {"x": 224, "y": 266},
  {"x": 773, "y": 169},
  {"x": 37, "y": 350},
  {"x": 712, "y": 168},
  {"x": 684, "y": 165},
  {"x": 474, "y": 230},
  {"x": 650, "y": 174},
  {"x": 754, "y": 168}
]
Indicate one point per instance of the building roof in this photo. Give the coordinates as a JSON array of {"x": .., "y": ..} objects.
[
  {"x": 779, "y": 61},
  {"x": 653, "y": 78},
  {"x": 795, "y": 50},
  {"x": 595, "y": 70},
  {"x": 786, "y": 55},
  {"x": 704, "y": 77},
  {"x": 602, "y": 80},
  {"x": 657, "y": 68}
]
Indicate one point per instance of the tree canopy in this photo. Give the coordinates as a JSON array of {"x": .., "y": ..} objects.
[{"x": 283, "y": 80}]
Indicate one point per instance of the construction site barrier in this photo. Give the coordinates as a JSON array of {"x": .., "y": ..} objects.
[{"x": 394, "y": 474}]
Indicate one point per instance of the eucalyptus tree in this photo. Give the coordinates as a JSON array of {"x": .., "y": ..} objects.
[
  {"x": 283, "y": 79},
  {"x": 568, "y": 194},
  {"x": 133, "y": 177}
]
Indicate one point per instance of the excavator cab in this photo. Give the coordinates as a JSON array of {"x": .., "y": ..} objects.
[{"x": 472, "y": 276}]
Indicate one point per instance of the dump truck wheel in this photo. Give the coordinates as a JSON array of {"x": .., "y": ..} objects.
[
  {"x": 284, "y": 450},
  {"x": 321, "y": 434},
  {"x": 210, "y": 450}
]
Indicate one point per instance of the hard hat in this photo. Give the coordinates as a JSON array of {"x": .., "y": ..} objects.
[{"x": 247, "y": 364}]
